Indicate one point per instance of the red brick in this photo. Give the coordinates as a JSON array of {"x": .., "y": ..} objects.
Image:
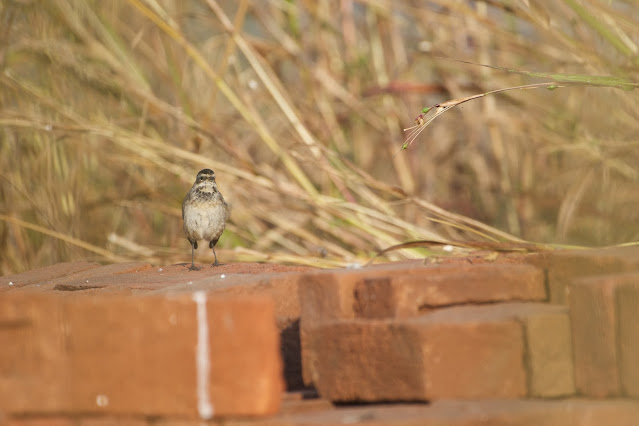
[
  {"x": 469, "y": 357},
  {"x": 281, "y": 288},
  {"x": 368, "y": 360},
  {"x": 92, "y": 279},
  {"x": 462, "y": 352},
  {"x": 322, "y": 297},
  {"x": 617, "y": 412},
  {"x": 46, "y": 273},
  {"x": 137, "y": 355},
  {"x": 593, "y": 321},
  {"x": 485, "y": 256},
  {"x": 571, "y": 412},
  {"x": 546, "y": 340},
  {"x": 563, "y": 266},
  {"x": 141, "y": 277},
  {"x": 276, "y": 281},
  {"x": 412, "y": 294},
  {"x": 39, "y": 421},
  {"x": 75, "y": 420},
  {"x": 329, "y": 294},
  {"x": 550, "y": 357},
  {"x": 627, "y": 303},
  {"x": 474, "y": 413},
  {"x": 33, "y": 354},
  {"x": 388, "y": 292},
  {"x": 497, "y": 350},
  {"x": 114, "y": 421}
]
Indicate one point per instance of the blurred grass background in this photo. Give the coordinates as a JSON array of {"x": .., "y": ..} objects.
[{"x": 109, "y": 109}]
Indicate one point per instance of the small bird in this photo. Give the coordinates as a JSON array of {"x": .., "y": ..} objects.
[{"x": 204, "y": 213}]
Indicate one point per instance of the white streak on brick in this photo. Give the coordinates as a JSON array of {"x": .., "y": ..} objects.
[{"x": 203, "y": 358}]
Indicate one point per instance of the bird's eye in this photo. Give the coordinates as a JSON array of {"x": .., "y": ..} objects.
[{"x": 201, "y": 177}]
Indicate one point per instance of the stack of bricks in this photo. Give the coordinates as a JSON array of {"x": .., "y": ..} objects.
[
  {"x": 123, "y": 343},
  {"x": 541, "y": 339}
]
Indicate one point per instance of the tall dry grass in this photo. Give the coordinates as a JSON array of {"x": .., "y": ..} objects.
[{"x": 109, "y": 109}]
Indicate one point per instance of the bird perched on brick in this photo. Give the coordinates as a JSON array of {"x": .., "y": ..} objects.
[{"x": 204, "y": 213}]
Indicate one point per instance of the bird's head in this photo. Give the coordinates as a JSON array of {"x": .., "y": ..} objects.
[{"x": 205, "y": 175}]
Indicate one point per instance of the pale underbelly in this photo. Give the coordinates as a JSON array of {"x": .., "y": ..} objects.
[{"x": 204, "y": 224}]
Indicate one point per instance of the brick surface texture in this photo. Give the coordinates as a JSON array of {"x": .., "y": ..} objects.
[
  {"x": 563, "y": 266},
  {"x": 137, "y": 355},
  {"x": 594, "y": 330},
  {"x": 549, "y": 338},
  {"x": 627, "y": 303},
  {"x": 387, "y": 293}
]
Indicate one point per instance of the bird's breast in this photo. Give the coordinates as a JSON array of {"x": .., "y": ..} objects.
[{"x": 204, "y": 220}]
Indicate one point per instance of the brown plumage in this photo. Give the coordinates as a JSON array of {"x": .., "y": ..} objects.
[{"x": 204, "y": 213}]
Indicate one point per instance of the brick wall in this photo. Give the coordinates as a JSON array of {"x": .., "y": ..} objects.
[{"x": 542, "y": 339}]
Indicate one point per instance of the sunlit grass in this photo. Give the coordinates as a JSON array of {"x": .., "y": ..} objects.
[{"x": 109, "y": 109}]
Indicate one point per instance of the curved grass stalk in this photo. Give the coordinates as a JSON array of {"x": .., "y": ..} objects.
[
  {"x": 421, "y": 123},
  {"x": 66, "y": 238},
  {"x": 246, "y": 112}
]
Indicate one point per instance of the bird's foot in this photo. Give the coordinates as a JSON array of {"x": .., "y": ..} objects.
[{"x": 194, "y": 268}]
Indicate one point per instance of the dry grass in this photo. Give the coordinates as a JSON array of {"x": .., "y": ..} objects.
[{"x": 109, "y": 109}]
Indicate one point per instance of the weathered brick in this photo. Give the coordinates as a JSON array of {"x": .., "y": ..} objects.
[
  {"x": 546, "y": 340},
  {"x": 473, "y": 413},
  {"x": 276, "y": 281},
  {"x": 330, "y": 294},
  {"x": 593, "y": 320},
  {"x": 566, "y": 412},
  {"x": 368, "y": 360},
  {"x": 322, "y": 297},
  {"x": 413, "y": 294},
  {"x": 504, "y": 350},
  {"x": 387, "y": 292},
  {"x": 96, "y": 278},
  {"x": 39, "y": 421},
  {"x": 616, "y": 412},
  {"x": 137, "y": 355},
  {"x": 281, "y": 287},
  {"x": 452, "y": 353},
  {"x": 33, "y": 355},
  {"x": 550, "y": 357},
  {"x": 627, "y": 304},
  {"x": 563, "y": 266},
  {"x": 441, "y": 413},
  {"x": 46, "y": 273},
  {"x": 76, "y": 420}
]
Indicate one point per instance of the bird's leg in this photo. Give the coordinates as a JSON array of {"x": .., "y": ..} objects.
[
  {"x": 212, "y": 245},
  {"x": 216, "y": 263},
  {"x": 193, "y": 267}
]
